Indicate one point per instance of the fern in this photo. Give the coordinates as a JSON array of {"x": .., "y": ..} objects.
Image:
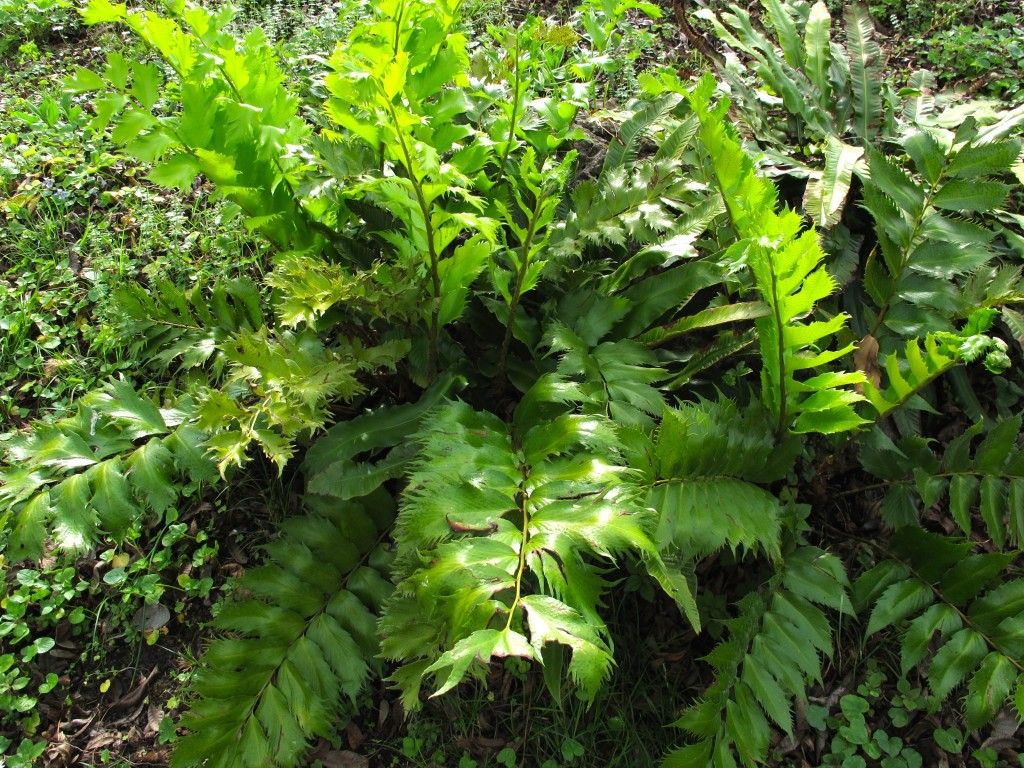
[
  {"x": 301, "y": 646},
  {"x": 638, "y": 199},
  {"x": 911, "y": 373},
  {"x": 164, "y": 325},
  {"x": 496, "y": 538},
  {"x": 118, "y": 458},
  {"x": 774, "y": 648},
  {"x": 865, "y": 70},
  {"x": 236, "y": 120},
  {"x": 615, "y": 378},
  {"x": 625, "y": 145},
  {"x": 711, "y": 460},
  {"x": 924, "y": 237},
  {"x": 337, "y": 463},
  {"x": 956, "y": 603},
  {"x": 725, "y": 345},
  {"x": 789, "y": 275},
  {"x": 989, "y": 479}
]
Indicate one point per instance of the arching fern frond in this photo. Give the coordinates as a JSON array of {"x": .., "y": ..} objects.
[
  {"x": 960, "y": 613},
  {"x": 300, "y": 647},
  {"x": 774, "y": 648}
]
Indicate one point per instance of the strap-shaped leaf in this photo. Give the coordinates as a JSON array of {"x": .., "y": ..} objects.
[{"x": 865, "y": 70}]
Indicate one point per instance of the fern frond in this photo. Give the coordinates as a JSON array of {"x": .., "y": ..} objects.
[
  {"x": 818, "y": 49},
  {"x": 708, "y": 470},
  {"x": 330, "y": 464},
  {"x": 496, "y": 534},
  {"x": 944, "y": 596},
  {"x": 625, "y": 145},
  {"x": 118, "y": 458},
  {"x": 705, "y": 318},
  {"x": 990, "y": 481},
  {"x": 920, "y": 105},
  {"x": 725, "y": 345},
  {"x": 825, "y": 196},
  {"x": 791, "y": 279},
  {"x": 164, "y": 325},
  {"x": 615, "y": 377},
  {"x": 229, "y": 111},
  {"x": 925, "y": 239},
  {"x": 301, "y": 646},
  {"x": 910, "y": 373},
  {"x": 774, "y": 648}
]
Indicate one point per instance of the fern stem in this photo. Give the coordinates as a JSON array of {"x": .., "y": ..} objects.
[
  {"x": 435, "y": 276},
  {"x": 780, "y": 426},
  {"x": 515, "y": 108},
  {"x": 524, "y": 263},
  {"x": 524, "y": 541}
]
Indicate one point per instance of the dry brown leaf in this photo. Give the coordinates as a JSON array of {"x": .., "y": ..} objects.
[
  {"x": 354, "y": 736},
  {"x": 338, "y": 758},
  {"x": 865, "y": 357}
]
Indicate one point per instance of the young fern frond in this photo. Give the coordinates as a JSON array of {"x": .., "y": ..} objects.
[
  {"x": 774, "y": 649},
  {"x": 922, "y": 367},
  {"x": 300, "y": 647},
  {"x": 791, "y": 279},
  {"x": 959, "y": 610}
]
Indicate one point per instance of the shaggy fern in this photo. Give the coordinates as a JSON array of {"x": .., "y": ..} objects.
[
  {"x": 773, "y": 650},
  {"x": 989, "y": 479},
  {"x": 498, "y": 537},
  {"x": 301, "y": 647},
  {"x": 791, "y": 279},
  {"x": 960, "y": 611}
]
